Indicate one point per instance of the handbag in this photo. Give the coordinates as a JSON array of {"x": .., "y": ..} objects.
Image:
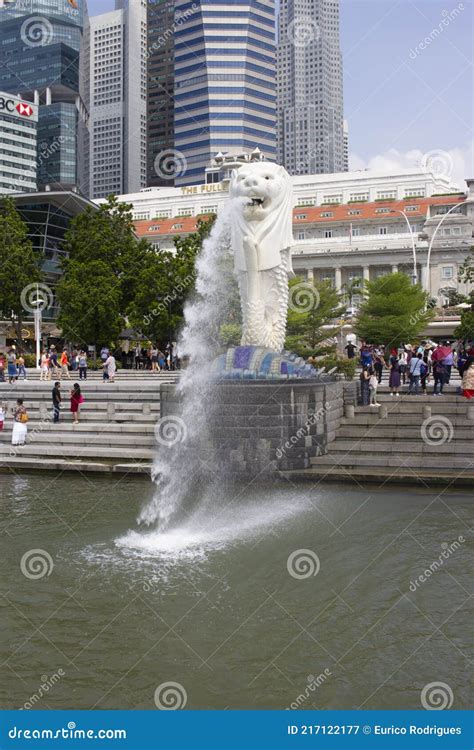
[{"x": 24, "y": 418}]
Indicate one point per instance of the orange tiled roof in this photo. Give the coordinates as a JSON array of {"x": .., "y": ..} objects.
[{"x": 312, "y": 214}]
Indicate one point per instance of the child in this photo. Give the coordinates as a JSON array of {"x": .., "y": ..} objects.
[
  {"x": 2, "y": 417},
  {"x": 21, "y": 367},
  {"x": 373, "y": 383}
]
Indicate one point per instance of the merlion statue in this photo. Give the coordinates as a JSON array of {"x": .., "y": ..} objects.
[{"x": 261, "y": 237}]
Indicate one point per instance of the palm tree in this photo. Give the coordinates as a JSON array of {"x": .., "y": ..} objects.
[{"x": 352, "y": 287}]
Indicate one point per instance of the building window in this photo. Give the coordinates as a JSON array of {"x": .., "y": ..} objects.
[
  {"x": 301, "y": 235},
  {"x": 306, "y": 202},
  {"x": 382, "y": 230},
  {"x": 356, "y": 197},
  {"x": 356, "y": 231},
  {"x": 328, "y": 233},
  {"x": 446, "y": 231},
  {"x": 382, "y": 210},
  {"x": 332, "y": 198},
  {"x": 326, "y": 214},
  {"x": 301, "y": 216},
  {"x": 415, "y": 193},
  {"x": 185, "y": 211},
  {"x": 177, "y": 226},
  {"x": 354, "y": 213},
  {"x": 447, "y": 272},
  {"x": 457, "y": 230},
  {"x": 385, "y": 194},
  {"x": 411, "y": 208}
]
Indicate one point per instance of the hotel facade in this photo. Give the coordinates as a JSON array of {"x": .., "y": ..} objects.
[{"x": 354, "y": 225}]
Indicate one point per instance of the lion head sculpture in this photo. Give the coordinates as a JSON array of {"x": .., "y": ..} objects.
[{"x": 262, "y": 211}]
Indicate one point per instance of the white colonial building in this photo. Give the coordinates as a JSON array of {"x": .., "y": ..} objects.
[{"x": 346, "y": 226}]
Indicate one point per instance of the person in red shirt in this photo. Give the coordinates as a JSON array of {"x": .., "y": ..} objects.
[{"x": 76, "y": 400}]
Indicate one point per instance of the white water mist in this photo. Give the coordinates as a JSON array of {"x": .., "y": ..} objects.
[{"x": 181, "y": 467}]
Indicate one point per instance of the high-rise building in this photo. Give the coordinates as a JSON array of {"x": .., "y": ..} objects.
[
  {"x": 224, "y": 83},
  {"x": 117, "y": 123},
  {"x": 40, "y": 43},
  {"x": 18, "y": 147},
  {"x": 160, "y": 105},
  {"x": 345, "y": 166},
  {"x": 310, "y": 131}
]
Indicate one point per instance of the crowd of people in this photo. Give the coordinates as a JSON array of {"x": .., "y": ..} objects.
[
  {"x": 55, "y": 363},
  {"x": 415, "y": 366}
]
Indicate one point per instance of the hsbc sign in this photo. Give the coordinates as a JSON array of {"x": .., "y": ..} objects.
[{"x": 17, "y": 108}]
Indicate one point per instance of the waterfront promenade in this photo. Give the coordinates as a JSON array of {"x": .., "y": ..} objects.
[{"x": 423, "y": 439}]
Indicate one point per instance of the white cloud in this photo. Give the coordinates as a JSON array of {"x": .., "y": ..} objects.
[{"x": 457, "y": 163}]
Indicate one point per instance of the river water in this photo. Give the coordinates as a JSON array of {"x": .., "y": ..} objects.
[{"x": 242, "y": 606}]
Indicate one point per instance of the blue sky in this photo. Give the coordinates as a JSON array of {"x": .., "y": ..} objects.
[{"x": 402, "y": 101}]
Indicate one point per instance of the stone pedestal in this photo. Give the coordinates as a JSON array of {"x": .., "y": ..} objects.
[{"x": 259, "y": 428}]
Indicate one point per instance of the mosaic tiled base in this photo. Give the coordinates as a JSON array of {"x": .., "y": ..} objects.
[{"x": 257, "y": 363}]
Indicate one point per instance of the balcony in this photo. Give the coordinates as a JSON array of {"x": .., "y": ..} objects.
[{"x": 364, "y": 243}]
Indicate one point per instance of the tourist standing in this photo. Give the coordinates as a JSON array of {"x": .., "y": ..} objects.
[
  {"x": 402, "y": 365},
  {"x": 53, "y": 363},
  {"x": 2, "y": 417},
  {"x": 12, "y": 371},
  {"x": 82, "y": 366},
  {"x": 373, "y": 383},
  {"x": 65, "y": 364},
  {"x": 2, "y": 368},
  {"x": 20, "y": 420},
  {"x": 154, "y": 360},
  {"x": 379, "y": 364},
  {"x": 104, "y": 353},
  {"x": 56, "y": 396},
  {"x": 415, "y": 373},
  {"x": 350, "y": 349},
  {"x": 364, "y": 386},
  {"x": 448, "y": 362},
  {"x": 468, "y": 378},
  {"x": 394, "y": 376},
  {"x": 45, "y": 373},
  {"x": 439, "y": 375},
  {"x": 425, "y": 372},
  {"x": 76, "y": 400},
  {"x": 21, "y": 367},
  {"x": 110, "y": 367}
]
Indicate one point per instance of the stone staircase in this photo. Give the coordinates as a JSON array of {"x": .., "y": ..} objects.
[
  {"x": 115, "y": 433},
  {"x": 422, "y": 439}
]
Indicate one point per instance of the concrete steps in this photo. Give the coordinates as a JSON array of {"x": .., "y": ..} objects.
[
  {"x": 115, "y": 432},
  {"x": 388, "y": 442}
]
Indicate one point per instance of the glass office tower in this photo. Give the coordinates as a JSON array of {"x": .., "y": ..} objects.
[{"x": 40, "y": 48}]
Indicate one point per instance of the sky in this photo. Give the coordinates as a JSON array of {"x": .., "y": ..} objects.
[{"x": 408, "y": 83}]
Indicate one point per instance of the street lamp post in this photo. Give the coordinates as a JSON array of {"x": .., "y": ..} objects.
[
  {"x": 428, "y": 276},
  {"x": 37, "y": 319},
  {"x": 415, "y": 270}
]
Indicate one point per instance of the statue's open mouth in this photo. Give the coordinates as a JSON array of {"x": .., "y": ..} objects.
[{"x": 256, "y": 202}]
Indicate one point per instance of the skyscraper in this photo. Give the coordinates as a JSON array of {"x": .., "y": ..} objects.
[
  {"x": 224, "y": 82},
  {"x": 40, "y": 42},
  {"x": 117, "y": 124},
  {"x": 310, "y": 131},
  {"x": 160, "y": 105}
]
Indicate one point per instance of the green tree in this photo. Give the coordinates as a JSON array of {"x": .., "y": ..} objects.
[
  {"x": 465, "y": 330},
  {"x": 163, "y": 283},
  {"x": 100, "y": 273},
  {"x": 394, "y": 311},
  {"x": 312, "y": 305},
  {"x": 466, "y": 271},
  {"x": 19, "y": 266},
  {"x": 453, "y": 296}
]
